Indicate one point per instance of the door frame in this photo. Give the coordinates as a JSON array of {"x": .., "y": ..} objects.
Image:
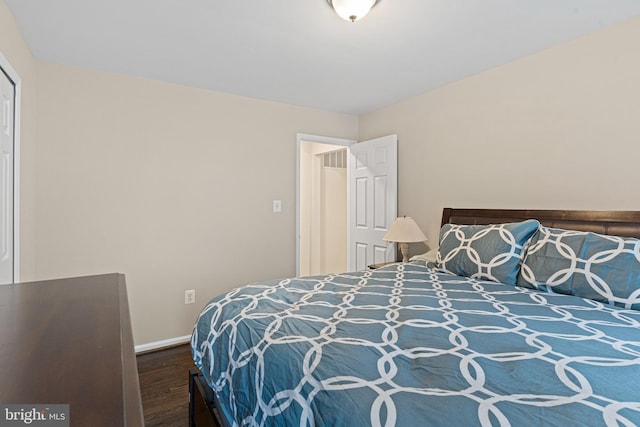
[
  {"x": 300, "y": 137},
  {"x": 15, "y": 78}
]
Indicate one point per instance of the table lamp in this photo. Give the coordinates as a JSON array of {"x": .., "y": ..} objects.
[{"x": 404, "y": 231}]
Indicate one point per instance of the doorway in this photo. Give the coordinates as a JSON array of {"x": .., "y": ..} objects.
[
  {"x": 321, "y": 205},
  {"x": 371, "y": 203}
]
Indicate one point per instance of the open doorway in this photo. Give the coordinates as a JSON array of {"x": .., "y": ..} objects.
[
  {"x": 324, "y": 228},
  {"x": 322, "y": 205}
]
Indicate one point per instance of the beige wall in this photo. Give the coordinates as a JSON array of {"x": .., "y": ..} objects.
[
  {"x": 333, "y": 257},
  {"x": 172, "y": 186},
  {"x": 16, "y": 51},
  {"x": 556, "y": 130}
]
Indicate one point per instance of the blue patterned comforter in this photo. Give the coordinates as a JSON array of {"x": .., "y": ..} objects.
[{"x": 408, "y": 346}]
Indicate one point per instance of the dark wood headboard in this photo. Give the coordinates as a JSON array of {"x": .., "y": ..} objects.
[{"x": 617, "y": 223}]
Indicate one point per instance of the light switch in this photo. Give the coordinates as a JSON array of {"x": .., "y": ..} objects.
[{"x": 277, "y": 206}]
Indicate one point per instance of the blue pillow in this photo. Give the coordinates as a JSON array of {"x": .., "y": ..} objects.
[
  {"x": 486, "y": 252},
  {"x": 588, "y": 265}
]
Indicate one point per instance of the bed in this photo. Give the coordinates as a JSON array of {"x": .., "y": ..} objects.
[{"x": 542, "y": 331}]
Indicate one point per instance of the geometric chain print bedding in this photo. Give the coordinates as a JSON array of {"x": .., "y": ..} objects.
[
  {"x": 406, "y": 345},
  {"x": 487, "y": 252},
  {"x": 588, "y": 265}
]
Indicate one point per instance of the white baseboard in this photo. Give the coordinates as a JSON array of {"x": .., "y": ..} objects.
[{"x": 164, "y": 343}]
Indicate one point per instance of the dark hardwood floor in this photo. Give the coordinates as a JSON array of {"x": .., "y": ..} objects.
[{"x": 164, "y": 386}]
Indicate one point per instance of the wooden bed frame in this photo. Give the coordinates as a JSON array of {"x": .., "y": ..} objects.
[
  {"x": 202, "y": 403},
  {"x": 616, "y": 223}
]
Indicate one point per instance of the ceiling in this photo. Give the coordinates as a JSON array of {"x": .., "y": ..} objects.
[{"x": 299, "y": 51}]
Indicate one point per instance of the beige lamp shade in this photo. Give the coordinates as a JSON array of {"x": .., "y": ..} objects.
[{"x": 404, "y": 231}]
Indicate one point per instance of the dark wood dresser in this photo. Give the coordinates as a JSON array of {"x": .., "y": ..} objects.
[{"x": 69, "y": 341}]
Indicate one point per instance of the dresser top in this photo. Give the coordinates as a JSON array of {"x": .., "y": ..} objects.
[{"x": 69, "y": 341}]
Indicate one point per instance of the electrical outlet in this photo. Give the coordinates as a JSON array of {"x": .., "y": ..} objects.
[{"x": 190, "y": 296}]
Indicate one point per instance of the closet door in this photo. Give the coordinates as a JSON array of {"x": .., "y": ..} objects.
[{"x": 7, "y": 120}]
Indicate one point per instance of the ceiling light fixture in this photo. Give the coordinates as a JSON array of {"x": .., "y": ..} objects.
[{"x": 352, "y": 10}]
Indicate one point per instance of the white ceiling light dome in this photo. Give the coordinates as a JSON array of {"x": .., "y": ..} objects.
[{"x": 352, "y": 10}]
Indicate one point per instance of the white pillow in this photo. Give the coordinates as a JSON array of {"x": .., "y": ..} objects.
[{"x": 426, "y": 257}]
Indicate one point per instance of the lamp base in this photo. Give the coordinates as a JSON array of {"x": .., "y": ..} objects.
[{"x": 404, "y": 249}]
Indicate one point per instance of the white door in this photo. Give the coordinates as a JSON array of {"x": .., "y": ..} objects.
[
  {"x": 373, "y": 200},
  {"x": 7, "y": 103}
]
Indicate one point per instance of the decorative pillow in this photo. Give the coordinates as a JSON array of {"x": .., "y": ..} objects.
[
  {"x": 487, "y": 252},
  {"x": 588, "y": 265}
]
